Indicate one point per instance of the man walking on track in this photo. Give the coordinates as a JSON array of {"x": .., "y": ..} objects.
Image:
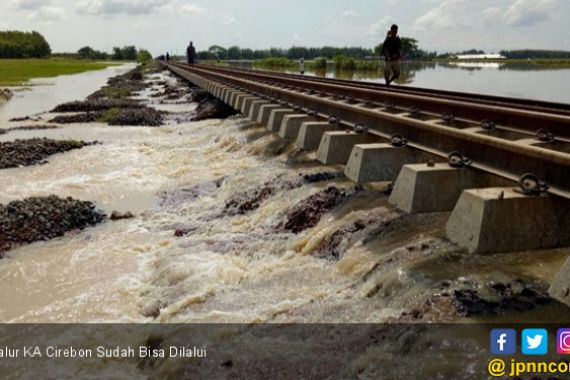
[
  {"x": 191, "y": 54},
  {"x": 393, "y": 55}
]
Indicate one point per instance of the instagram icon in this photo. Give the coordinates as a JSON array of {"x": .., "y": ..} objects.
[{"x": 563, "y": 345}]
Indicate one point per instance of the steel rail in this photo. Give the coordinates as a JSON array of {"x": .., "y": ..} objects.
[
  {"x": 518, "y": 118},
  {"x": 530, "y": 104},
  {"x": 505, "y": 158}
]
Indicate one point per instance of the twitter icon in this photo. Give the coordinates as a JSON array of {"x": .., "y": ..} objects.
[{"x": 534, "y": 342}]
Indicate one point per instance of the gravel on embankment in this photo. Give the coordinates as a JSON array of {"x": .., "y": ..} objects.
[
  {"x": 97, "y": 105},
  {"x": 122, "y": 86},
  {"x": 43, "y": 218},
  {"x": 27, "y": 128},
  {"x": 19, "y": 153},
  {"x": 307, "y": 213},
  {"x": 113, "y": 104},
  {"x": 88, "y": 117},
  {"x": 148, "y": 117},
  {"x": 211, "y": 108}
]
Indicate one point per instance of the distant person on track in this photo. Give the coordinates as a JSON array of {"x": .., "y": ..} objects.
[
  {"x": 393, "y": 55},
  {"x": 191, "y": 54},
  {"x": 302, "y": 66},
  {"x": 167, "y": 57}
]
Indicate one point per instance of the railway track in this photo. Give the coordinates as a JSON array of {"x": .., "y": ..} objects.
[
  {"x": 501, "y": 166},
  {"x": 529, "y": 104},
  {"x": 502, "y": 136}
]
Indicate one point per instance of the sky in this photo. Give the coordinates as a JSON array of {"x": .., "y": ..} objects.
[{"x": 168, "y": 25}]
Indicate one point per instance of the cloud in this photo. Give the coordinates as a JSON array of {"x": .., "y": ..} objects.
[
  {"x": 296, "y": 38},
  {"x": 380, "y": 27},
  {"x": 192, "y": 9},
  {"x": 113, "y": 7},
  {"x": 140, "y": 26},
  {"x": 4, "y": 25},
  {"x": 48, "y": 14},
  {"x": 447, "y": 15},
  {"x": 530, "y": 12},
  {"x": 350, "y": 13},
  {"x": 228, "y": 20},
  {"x": 27, "y": 4},
  {"x": 492, "y": 14}
]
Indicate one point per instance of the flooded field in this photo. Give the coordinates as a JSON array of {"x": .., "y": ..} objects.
[
  {"x": 516, "y": 80},
  {"x": 40, "y": 95}
]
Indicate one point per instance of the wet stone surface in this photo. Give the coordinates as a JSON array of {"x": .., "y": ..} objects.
[
  {"x": 43, "y": 218},
  {"x": 500, "y": 298},
  {"x": 476, "y": 300},
  {"x": 113, "y": 104},
  {"x": 90, "y": 117},
  {"x": 25, "y": 118},
  {"x": 138, "y": 117},
  {"x": 336, "y": 244},
  {"x": 122, "y": 86},
  {"x": 321, "y": 177},
  {"x": 174, "y": 92},
  {"x": 27, "y": 128},
  {"x": 211, "y": 108},
  {"x": 189, "y": 194},
  {"x": 96, "y": 105},
  {"x": 5, "y": 94},
  {"x": 116, "y": 215},
  {"x": 19, "y": 153},
  {"x": 247, "y": 201},
  {"x": 309, "y": 212}
]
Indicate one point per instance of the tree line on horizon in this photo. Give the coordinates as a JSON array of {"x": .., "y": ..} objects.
[
  {"x": 14, "y": 44},
  {"x": 535, "y": 54},
  {"x": 217, "y": 52},
  {"x": 17, "y": 45},
  {"x": 125, "y": 53},
  {"x": 410, "y": 46}
]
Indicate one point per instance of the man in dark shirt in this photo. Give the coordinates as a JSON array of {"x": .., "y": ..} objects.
[
  {"x": 393, "y": 55},
  {"x": 191, "y": 54}
]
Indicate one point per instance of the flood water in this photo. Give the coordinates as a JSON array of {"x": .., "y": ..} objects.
[
  {"x": 43, "y": 94},
  {"x": 542, "y": 82},
  {"x": 226, "y": 268},
  {"x": 363, "y": 261}
]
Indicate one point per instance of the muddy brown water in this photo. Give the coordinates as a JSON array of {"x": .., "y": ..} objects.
[
  {"x": 240, "y": 267},
  {"x": 226, "y": 268},
  {"x": 513, "y": 80},
  {"x": 42, "y": 94}
]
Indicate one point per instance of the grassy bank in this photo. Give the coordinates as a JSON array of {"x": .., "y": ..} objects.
[
  {"x": 19, "y": 71},
  {"x": 340, "y": 63},
  {"x": 276, "y": 63}
]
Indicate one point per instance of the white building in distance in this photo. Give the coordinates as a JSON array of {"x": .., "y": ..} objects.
[{"x": 479, "y": 56}]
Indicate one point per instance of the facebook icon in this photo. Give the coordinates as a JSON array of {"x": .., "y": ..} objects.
[{"x": 503, "y": 342}]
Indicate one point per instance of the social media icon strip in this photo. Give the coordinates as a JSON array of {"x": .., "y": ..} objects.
[
  {"x": 563, "y": 341},
  {"x": 503, "y": 342},
  {"x": 534, "y": 342}
]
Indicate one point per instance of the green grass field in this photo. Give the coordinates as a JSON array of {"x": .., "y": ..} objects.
[{"x": 18, "y": 71}]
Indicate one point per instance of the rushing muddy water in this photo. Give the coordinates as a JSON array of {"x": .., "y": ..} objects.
[{"x": 211, "y": 241}]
